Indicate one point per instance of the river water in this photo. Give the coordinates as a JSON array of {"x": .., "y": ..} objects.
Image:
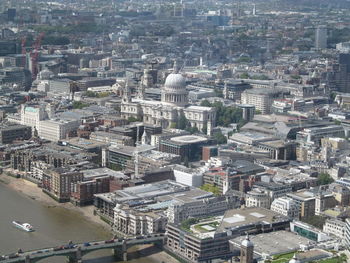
[{"x": 54, "y": 226}]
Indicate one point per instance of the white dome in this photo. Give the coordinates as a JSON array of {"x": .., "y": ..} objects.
[{"x": 175, "y": 80}]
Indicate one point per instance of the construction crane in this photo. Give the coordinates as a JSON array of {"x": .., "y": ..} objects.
[
  {"x": 23, "y": 49},
  {"x": 35, "y": 54}
]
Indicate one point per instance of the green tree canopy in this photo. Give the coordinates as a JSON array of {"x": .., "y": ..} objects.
[
  {"x": 182, "y": 122},
  {"x": 220, "y": 138},
  {"x": 79, "y": 105},
  {"x": 211, "y": 188},
  {"x": 225, "y": 115},
  {"x": 324, "y": 178}
]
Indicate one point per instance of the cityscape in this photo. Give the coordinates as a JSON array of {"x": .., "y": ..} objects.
[{"x": 165, "y": 131}]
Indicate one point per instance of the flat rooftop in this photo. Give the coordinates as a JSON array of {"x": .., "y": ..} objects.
[
  {"x": 273, "y": 243},
  {"x": 136, "y": 194},
  {"x": 82, "y": 143},
  {"x": 91, "y": 173},
  {"x": 189, "y": 139},
  {"x": 238, "y": 217}
]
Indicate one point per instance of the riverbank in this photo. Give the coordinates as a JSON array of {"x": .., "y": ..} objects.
[
  {"x": 32, "y": 191},
  {"x": 144, "y": 254}
]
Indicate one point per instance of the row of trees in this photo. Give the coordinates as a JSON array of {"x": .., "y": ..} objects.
[
  {"x": 225, "y": 115},
  {"x": 92, "y": 94}
]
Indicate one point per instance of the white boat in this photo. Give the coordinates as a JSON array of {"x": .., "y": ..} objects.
[{"x": 24, "y": 226}]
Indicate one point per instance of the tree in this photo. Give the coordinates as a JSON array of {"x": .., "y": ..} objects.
[
  {"x": 205, "y": 128},
  {"x": 220, "y": 138},
  {"x": 114, "y": 167},
  {"x": 244, "y": 75},
  {"x": 332, "y": 96},
  {"x": 186, "y": 224},
  {"x": 218, "y": 93},
  {"x": 55, "y": 40},
  {"x": 90, "y": 94},
  {"x": 133, "y": 119},
  {"x": 205, "y": 103},
  {"x": 182, "y": 122},
  {"x": 173, "y": 125},
  {"x": 79, "y": 105},
  {"x": 316, "y": 221},
  {"x": 192, "y": 130},
  {"x": 324, "y": 178}
]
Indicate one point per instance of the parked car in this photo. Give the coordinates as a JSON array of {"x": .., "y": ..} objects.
[
  {"x": 58, "y": 248},
  {"x": 13, "y": 256}
]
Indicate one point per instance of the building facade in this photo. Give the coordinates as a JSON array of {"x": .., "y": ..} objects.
[
  {"x": 55, "y": 130},
  {"x": 285, "y": 206},
  {"x": 173, "y": 105},
  {"x": 257, "y": 199},
  {"x": 335, "y": 227},
  {"x": 58, "y": 182}
]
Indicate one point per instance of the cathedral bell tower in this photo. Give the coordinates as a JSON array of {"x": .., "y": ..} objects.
[{"x": 126, "y": 93}]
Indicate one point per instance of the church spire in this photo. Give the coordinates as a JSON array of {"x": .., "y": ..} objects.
[
  {"x": 141, "y": 91},
  {"x": 225, "y": 91},
  {"x": 126, "y": 93}
]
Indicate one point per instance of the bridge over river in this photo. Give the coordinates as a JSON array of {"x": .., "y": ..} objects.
[{"x": 75, "y": 253}]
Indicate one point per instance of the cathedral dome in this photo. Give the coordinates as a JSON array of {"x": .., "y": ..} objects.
[
  {"x": 176, "y": 81},
  {"x": 174, "y": 91}
]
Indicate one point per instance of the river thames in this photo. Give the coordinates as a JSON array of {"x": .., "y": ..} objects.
[{"x": 54, "y": 226}]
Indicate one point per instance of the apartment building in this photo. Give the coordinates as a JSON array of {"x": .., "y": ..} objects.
[{"x": 57, "y": 182}]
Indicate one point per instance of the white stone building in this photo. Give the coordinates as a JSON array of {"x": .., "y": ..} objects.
[
  {"x": 335, "y": 227},
  {"x": 174, "y": 103},
  {"x": 261, "y": 98},
  {"x": 285, "y": 206},
  {"x": 32, "y": 115},
  {"x": 182, "y": 209},
  {"x": 56, "y": 129},
  {"x": 188, "y": 176},
  {"x": 257, "y": 198},
  {"x": 131, "y": 222}
]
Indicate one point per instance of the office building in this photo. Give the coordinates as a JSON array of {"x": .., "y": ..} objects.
[
  {"x": 257, "y": 198},
  {"x": 208, "y": 238},
  {"x": 11, "y": 132},
  {"x": 321, "y": 37},
  {"x": 285, "y": 206},
  {"x": 57, "y": 129},
  {"x": 261, "y": 98},
  {"x": 335, "y": 227},
  {"x": 347, "y": 232},
  {"x": 305, "y": 201},
  {"x": 308, "y": 231},
  {"x": 189, "y": 147}
]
